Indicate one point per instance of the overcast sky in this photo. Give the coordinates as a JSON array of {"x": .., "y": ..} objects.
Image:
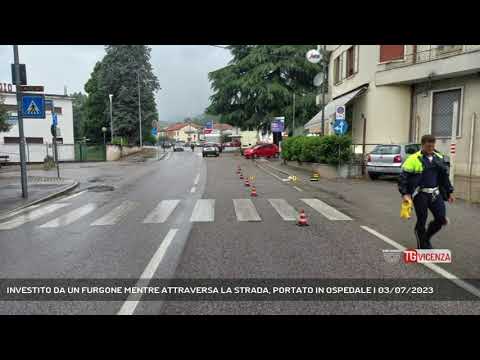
[{"x": 181, "y": 69}]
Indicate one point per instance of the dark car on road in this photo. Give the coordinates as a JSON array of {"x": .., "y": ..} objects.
[{"x": 210, "y": 149}]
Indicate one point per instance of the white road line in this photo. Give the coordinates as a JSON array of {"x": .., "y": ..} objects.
[
  {"x": 435, "y": 268},
  {"x": 204, "y": 211},
  {"x": 284, "y": 209},
  {"x": 116, "y": 214},
  {"x": 192, "y": 190},
  {"x": 326, "y": 210},
  {"x": 132, "y": 301},
  {"x": 31, "y": 216},
  {"x": 197, "y": 178},
  {"x": 71, "y": 216},
  {"x": 297, "y": 188},
  {"x": 245, "y": 210},
  {"x": 21, "y": 211},
  {"x": 161, "y": 213},
  {"x": 72, "y": 196}
]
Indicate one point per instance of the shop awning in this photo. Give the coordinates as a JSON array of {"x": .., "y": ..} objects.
[{"x": 332, "y": 105}]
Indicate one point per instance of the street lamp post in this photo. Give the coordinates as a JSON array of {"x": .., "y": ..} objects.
[
  {"x": 323, "y": 89},
  {"x": 293, "y": 126},
  {"x": 139, "y": 108},
  {"x": 111, "y": 119}
]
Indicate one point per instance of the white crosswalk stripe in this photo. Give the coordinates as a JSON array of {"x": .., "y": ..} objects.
[
  {"x": 245, "y": 210},
  {"x": 326, "y": 210},
  {"x": 284, "y": 209},
  {"x": 204, "y": 211},
  {"x": 116, "y": 214},
  {"x": 31, "y": 216},
  {"x": 71, "y": 216},
  {"x": 161, "y": 213}
]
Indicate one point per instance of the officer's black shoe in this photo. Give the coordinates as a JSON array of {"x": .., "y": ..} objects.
[
  {"x": 426, "y": 243},
  {"x": 423, "y": 240}
]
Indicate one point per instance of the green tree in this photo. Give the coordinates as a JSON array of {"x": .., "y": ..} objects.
[
  {"x": 4, "y": 125},
  {"x": 259, "y": 83},
  {"x": 119, "y": 73}
]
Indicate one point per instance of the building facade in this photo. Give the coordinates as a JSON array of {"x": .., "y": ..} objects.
[
  {"x": 376, "y": 114},
  {"x": 183, "y": 132},
  {"x": 397, "y": 93},
  {"x": 37, "y": 132},
  {"x": 438, "y": 76}
]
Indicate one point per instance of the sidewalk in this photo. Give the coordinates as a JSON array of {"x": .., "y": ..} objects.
[
  {"x": 44, "y": 183},
  {"x": 39, "y": 187},
  {"x": 377, "y": 204}
]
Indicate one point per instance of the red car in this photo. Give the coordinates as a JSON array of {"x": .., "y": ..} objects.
[{"x": 263, "y": 150}]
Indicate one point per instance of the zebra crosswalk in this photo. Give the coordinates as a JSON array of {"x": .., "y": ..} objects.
[{"x": 203, "y": 211}]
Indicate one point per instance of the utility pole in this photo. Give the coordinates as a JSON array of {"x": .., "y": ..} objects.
[
  {"x": 23, "y": 166},
  {"x": 323, "y": 89},
  {"x": 139, "y": 108},
  {"x": 111, "y": 118}
]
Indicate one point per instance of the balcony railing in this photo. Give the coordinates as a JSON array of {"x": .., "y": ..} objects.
[{"x": 432, "y": 54}]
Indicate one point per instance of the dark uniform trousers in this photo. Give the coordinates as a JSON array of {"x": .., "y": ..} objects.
[{"x": 422, "y": 203}]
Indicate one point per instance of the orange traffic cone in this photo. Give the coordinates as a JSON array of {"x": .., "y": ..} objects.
[
  {"x": 253, "y": 192},
  {"x": 302, "y": 219},
  {"x": 247, "y": 183}
]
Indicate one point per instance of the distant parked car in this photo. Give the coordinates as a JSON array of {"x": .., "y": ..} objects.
[
  {"x": 263, "y": 150},
  {"x": 388, "y": 159}
]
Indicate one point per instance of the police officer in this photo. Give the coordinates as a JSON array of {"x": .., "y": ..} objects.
[{"x": 425, "y": 179}]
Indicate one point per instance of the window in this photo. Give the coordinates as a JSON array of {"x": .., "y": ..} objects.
[
  {"x": 442, "y": 112},
  {"x": 9, "y": 107},
  {"x": 351, "y": 61},
  {"x": 16, "y": 140},
  {"x": 386, "y": 150},
  {"x": 391, "y": 52},
  {"x": 336, "y": 70}
]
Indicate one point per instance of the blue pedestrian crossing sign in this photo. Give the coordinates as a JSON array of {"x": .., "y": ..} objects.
[
  {"x": 154, "y": 132},
  {"x": 33, "y": 106},
  {"x": 340, "y": 127}
]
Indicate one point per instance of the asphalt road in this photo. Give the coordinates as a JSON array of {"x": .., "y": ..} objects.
[{"x": 189, "y": 217}]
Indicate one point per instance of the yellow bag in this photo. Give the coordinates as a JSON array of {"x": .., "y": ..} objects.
[{"x": 406, "y": 209}]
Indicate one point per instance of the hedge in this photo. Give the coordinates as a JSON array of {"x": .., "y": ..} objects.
[{"x": 330, "y": 149}]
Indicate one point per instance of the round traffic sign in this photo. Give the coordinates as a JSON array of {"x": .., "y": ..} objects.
[{"x": 314, "y": 56}]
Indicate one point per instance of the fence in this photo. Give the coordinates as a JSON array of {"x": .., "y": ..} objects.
[
  {"x": 84, "y": 152},
  {"x": 36, "y": 153}
]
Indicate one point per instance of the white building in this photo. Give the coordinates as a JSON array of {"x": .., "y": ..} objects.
[{"x": 37, "y": 132}]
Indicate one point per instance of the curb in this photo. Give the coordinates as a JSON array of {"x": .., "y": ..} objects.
[{"x": 41, "y": 200}]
